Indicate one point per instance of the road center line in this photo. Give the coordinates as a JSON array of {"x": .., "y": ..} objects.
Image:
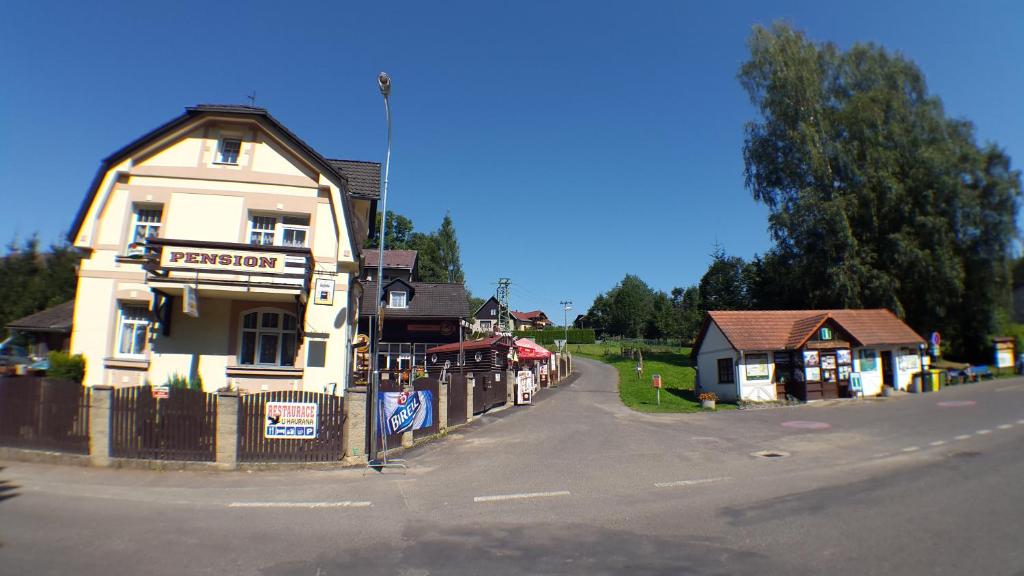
[
  {"x": 983, "y": 432},
  {"x": 690, "y": 482},
  {"x": 962, "y": 437},
  {"x": 911, "y": 449},
  {"x": 341, "y": 504},
  {"x": 522, "y": 496},
  {"x": 938, "y": 443},
  {"x": 1005, "y": 426}
]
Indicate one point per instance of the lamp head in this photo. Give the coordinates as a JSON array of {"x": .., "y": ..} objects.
[{"x": 384, "y": 81}]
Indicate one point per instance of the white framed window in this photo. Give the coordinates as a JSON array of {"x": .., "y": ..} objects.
[
  {"x": 396, "y": 299},
  {"x": 146, "y": 222},
  {"x": 269, "y": 338},
  {"x": 485, "y": 324},
  {"x": 133, "y": 327},
  {"x": 228, "y": 150},
  {"x": 265, "y": 230},
  {"x": 494, "y": 312}
]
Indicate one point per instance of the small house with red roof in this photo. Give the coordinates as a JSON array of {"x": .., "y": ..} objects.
[
  {"x": 532, "y": 320},
  {"x": 763, "y": 355}
]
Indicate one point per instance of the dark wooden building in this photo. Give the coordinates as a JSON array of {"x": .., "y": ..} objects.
[{"x": 417, "y": 316}]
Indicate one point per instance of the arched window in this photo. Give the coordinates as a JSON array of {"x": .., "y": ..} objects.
[{"x": 268, "y": 339}]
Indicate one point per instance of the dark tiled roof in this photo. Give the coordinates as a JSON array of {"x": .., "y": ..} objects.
[
  {"x": 790, "y": 329},
  {"x": 430, "y": 301},
  {"x": 56, "y": 319},
  {"x": 405, "y": 259},
  {"x": 363, "y": 177}
]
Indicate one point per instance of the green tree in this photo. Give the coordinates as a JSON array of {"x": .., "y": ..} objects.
[
  {"x": 631, "y": 305},
  {"x": 448, "y": 251},
  {"x": 429, "y": 267},
  {"x": 689, "y": 310},
  {"x": 724, "y": 285},
  {"x": 31, "y": 280},
  {"x": 875, "y": 197},
  {"x": 397, "y": 233}
]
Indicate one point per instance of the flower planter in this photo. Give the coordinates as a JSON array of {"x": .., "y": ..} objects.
[{"x": 707, "y": 404}]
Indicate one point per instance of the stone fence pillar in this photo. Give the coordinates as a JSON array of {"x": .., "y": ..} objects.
[
  {"x": 354, "y": 438},
  {"x": 407, "y": 435},
  {"x": 100, "y": 413},
  {"x": 510, "y": 388},
  {"x": 442, "y": 403},
  {"x": 227, "y": 430},
  {"x": 470, "y": 385}
]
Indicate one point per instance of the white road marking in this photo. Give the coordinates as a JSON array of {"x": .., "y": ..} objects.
[
  {"x": 962, "y": 437},
  {"x": 983, "y": 432},
  {"x": 882, "y": 455},
  {"x": 938, "y": 443},
  {"x": 690, "y": 482},
  {"x": 1021, "y": 421},
  {"x": 1005, "y": 426},
  {"x": 1007, "y": 388},
  {"x": 341, "y": 504},
  {"x": 911, "y": 449},
  {"x": 522, "y": 496}
]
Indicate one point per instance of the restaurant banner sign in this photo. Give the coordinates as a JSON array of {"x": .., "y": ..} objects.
[
  {"x": 216, "y": 259},
  {"x": 405, "y": 411},
  {"x": 291, "y": 420}
]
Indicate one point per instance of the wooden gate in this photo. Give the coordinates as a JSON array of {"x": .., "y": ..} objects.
[
  {"x": 457, "y": 399},
  {"x": 44, "y": 413},
  {"x": 254, "y": 446},
  {"x": 433, "y": 386},
  {"x": 491, "y": 390},
  {"x": 182, "y": 426}
]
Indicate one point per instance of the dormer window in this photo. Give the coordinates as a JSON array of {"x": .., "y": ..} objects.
[
  {"x": 228, "y": 150},
  {"x": 396, "y": 299}
]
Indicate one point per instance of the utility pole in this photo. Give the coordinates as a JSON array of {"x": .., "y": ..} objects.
[
  {"x": 503, "y": 294},
  {"x": 566, "y": 306}
]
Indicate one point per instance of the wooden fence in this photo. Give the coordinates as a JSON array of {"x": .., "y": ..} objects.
[
  {"x": 457, "y": 399},
  {"x": 44, "y": 413},
  {"x": 182, "y": 426},
  {"x": 254, "y": 446}
]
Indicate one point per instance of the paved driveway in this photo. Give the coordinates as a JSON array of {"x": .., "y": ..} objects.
[{"x": 576, "y": 484}]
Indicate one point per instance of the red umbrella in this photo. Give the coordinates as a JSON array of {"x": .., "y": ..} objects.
[{"x": 530, "y": 350}]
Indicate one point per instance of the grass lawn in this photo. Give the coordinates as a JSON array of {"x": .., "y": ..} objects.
[{"x": 674, "y": 365}]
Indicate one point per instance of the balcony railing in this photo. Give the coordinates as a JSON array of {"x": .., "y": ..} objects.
[{"x": 170, "y": 261}]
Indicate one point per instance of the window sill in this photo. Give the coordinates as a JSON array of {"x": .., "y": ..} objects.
[
  {"x": 215, "y": 163},
  {"x": 127, "y": 363},
  {"x": 255, "y": 371}
]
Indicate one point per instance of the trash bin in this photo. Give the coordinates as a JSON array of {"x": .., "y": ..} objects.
[{"x": 938, "y": 379}]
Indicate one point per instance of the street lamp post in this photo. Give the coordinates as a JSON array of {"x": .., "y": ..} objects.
[
  {"x": 566, "y": 306},
  {"x": 384, "y": 83}
]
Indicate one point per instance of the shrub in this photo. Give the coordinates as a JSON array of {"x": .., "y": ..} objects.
[
  {"x": 179, "y": 381},
  {"x": 66, "y": 367}
]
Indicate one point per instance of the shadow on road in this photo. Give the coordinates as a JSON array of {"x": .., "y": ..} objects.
[
  {"x": 534, "y": 549},
  {"x": 7, "y": 489}
]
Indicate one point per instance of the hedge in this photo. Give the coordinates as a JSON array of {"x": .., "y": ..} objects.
[{"x": 575, "y": 335}]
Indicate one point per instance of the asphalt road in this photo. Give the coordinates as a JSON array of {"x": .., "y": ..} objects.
[{"x": 576, "y": 484}]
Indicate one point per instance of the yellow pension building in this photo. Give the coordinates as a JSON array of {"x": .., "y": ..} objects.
[{"x": 220, "y": 246}]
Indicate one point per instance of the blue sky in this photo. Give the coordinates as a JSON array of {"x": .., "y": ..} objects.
[{"x": 572, "y": 142}]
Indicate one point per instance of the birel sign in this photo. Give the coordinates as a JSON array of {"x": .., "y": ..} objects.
[{"x": 223, "y": 260}]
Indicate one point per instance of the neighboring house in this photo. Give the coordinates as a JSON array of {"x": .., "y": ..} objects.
[
  {"x": 48, "y": 330},
  {"x": 417, "y": 316},
  {"x": 809, "y": 354},
  {"x": 221, "y": 246},
  {"x": 533, "y": 320},
  {"x": 485, "y": 319},
  {"x": 398, "y": 265}
]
